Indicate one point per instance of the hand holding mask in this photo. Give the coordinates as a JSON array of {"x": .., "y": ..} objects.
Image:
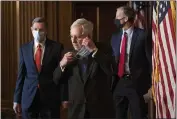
[
  {"x": 82, "y": 53},
  {"x": 88, "y": 47}
]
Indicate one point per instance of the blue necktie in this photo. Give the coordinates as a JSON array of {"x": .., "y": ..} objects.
[{"x": 83, "y": 66}]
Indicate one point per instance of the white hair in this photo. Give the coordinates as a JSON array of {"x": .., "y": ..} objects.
[{"x": 87, "y": 26}]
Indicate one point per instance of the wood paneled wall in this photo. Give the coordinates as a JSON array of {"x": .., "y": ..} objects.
[
  {"x": 28, "y": 10},
  {"x": 16, "y": 18},
  {"x": 16, "y": 30},
  {"x": 9, "y": 52},
  {"x": 65, "y": 20}
]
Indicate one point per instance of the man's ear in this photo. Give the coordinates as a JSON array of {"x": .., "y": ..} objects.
[
  {"x": 126, "y": 19},
  {"x": 89, "y": 36},
  {"x": 31, "y": 29}
]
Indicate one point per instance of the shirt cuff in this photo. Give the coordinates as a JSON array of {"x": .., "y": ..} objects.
[{"x": 95, "y": 51}]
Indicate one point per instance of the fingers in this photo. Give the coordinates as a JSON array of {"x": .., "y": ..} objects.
[
  {"x": 19, "y": 114},
  {"x": 90, "y": 45},
  {"x": 65, "y": 104},
  {"x": 69, "y": 56},
  {"x": 86, "y": 41},
  {"x": 17, "y": 109}
]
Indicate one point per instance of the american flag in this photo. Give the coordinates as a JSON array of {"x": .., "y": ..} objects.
[
  {"x": 139, "y": 6},
  {"x": 163, "y": 59}
]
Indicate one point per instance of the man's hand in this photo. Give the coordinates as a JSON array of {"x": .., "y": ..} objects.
[
  {"x": 65, "y": 104},
  {"x": 68, "y": 58},
  {"x": 17, "y": 108},
  {"x": 89, "y": 44}
]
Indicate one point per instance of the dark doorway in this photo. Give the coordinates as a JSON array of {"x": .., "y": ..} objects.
[{"x": 101, "y": 14}]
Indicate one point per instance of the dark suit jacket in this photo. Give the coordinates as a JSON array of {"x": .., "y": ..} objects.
[
  {"x": 92, "y": 92},
  {"x": 29, "y": 78},
  {"x": 139, "y": 62}
]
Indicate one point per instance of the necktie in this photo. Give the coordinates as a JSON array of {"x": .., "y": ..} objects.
[
  {"x": 38, "y": 57},
  {"x": 121, "y": 65},
  {"x": 83, "y": 66}
]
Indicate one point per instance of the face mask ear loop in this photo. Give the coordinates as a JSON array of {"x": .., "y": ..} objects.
[{"x": 85, "y": 53}]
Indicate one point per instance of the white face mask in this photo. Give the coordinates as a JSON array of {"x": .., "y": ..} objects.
[
  {"x": 38, "y": 35},
  {"x": 82, "y": 53}
]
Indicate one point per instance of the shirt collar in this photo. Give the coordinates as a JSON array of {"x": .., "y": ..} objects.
[
  {"x": 42, "y": 43},
  {"x": 128, "y": 31}
]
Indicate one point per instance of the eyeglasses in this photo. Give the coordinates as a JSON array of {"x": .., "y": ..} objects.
[
  {"x": 77, "y": 37},
  {"x": 121, "y": 18}
]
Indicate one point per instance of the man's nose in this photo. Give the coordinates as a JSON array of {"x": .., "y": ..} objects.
[
  {"x": 74, "y": 40},
  {"x": 38, "y": 30}
]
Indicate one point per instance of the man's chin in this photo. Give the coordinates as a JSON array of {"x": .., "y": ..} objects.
[{"x": 77, "y": 49}]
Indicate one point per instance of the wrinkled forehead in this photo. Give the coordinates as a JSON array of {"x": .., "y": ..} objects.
[
  {"x": 76, "y": 30},
  {"x": 38, "y": 25},
  {"x": 120, "y": 13}
]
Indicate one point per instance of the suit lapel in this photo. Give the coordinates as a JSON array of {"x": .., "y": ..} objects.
[
  {"x": 117, "y": 43},
  {"x": 134, "y": 39},
  {"x": 47, "y": 53},
  {"x": 30, "y": 51},
  {"x": 90, "y": 68},
  {"x": 76, "y": 71}
]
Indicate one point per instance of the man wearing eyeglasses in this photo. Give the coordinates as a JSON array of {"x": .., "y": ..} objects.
[
  {"x": 36, "y": 95},
  {"x": 132, "y": 77},
  {"x": 88, "y": 76}
]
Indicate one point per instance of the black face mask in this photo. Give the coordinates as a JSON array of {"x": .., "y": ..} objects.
[{"x": 118, "y": 24}]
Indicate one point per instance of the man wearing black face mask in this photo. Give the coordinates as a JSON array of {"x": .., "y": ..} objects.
[
  {"x": 118, "y": 22},
  {"x": 132, "y": 76}
]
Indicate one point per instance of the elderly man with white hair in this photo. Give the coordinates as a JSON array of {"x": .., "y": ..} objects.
[{"x": 88, "y": 76}]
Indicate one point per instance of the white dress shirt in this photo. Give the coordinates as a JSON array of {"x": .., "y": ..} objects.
[
  {"x": 42, "y": 48},
  {"x": 129, "y": 36}
]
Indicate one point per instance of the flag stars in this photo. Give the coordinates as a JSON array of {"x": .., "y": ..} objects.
[
  {"x": 138, "y": 6},
  {"x": 164, "y": 9},
  {"x": 159, "y": 14}
]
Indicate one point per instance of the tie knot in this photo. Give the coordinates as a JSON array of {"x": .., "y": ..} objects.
[
  {"x": 38, "y": 46},
  {"x": 125, "y": 34}
]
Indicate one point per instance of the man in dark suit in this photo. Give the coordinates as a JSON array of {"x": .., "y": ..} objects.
[
  {"x": 36, "y": 95},
  {"x": 89, "y": 77},
  {"x": 132, "y": 77}
]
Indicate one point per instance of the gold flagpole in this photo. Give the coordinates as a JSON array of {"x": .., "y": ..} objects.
[
  {"x": 173, "y": 9},
  {"x": 155, "y": 75}
]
